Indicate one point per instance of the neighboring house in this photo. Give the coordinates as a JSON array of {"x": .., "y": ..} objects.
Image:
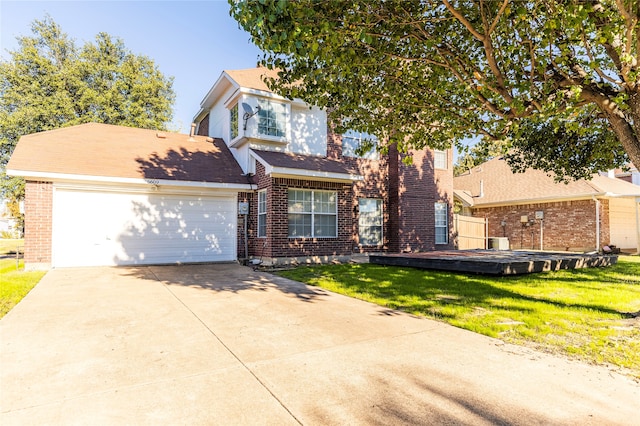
[
  {"x": 534, "y": 212},
  {"x": 7, "y": 223},
  {"x": 630, "y": 174},
  {"x": 110, "y": 195}
]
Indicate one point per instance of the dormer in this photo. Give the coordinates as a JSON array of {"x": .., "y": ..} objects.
[{"x": 241, "y": 110}]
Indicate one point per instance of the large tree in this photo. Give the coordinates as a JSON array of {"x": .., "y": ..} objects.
[
  {"x": 558, "y": 79},
  {"x": 48, "y": 82}
]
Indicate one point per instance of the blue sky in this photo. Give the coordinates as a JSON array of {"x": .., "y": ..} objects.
[{"x": 193, "y": 41}]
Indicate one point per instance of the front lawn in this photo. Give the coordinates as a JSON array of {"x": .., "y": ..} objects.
[
  {"x": 15, "y": 283},
  {"x": 584, "y": 313}
]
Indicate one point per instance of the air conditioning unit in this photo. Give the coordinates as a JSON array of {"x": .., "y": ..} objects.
[{"x": 499, "y": 243}]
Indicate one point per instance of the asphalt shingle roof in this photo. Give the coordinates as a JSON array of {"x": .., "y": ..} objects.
[
  {"x": 502, "y": 186},
  {"x": 303, "y": 162},
  {"x": 124, "y": 152}
]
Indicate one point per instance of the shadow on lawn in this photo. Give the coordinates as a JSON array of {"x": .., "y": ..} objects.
[{"x": 433, "y": 289}]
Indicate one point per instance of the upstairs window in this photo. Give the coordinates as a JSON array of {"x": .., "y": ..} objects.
[
  {"x": 272, "y": 118},
  {"x": 440, "y": 159},
  {"x": 233, "y": 122},
  {"x": 352, "y": 140},
  {"x": 313, "y": 213}
]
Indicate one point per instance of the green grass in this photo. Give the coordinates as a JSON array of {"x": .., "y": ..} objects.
[
  {"x": 15, "y": 284},
  {"x": 583, "y": 313},
  {"x": 8, "y": 245}
]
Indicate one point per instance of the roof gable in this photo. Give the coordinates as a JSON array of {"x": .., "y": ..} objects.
[
  {"x": 110, "y": 151},
  {"x": 252, "y": 78}
]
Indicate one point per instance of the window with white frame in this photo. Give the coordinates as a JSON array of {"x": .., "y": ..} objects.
[
  {"x": 233, "y": 122},
  {"x": 442, "y": 226},
  {"x": 262, "y": 213},
  {"x": 440, "y": 159},
  {"x": 370, "y": 221},
  {"x": 352, "y": 140},
  {"x": 272, "y": 118},
  {"x": 313, "y": 213}
]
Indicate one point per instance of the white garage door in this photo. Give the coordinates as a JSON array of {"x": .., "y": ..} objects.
[
  {"x": 93, "y": 228},
  {"x": 622, "y": 222}
]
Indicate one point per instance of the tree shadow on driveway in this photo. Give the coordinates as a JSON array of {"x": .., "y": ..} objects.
[{"x": 226, "y": 277}]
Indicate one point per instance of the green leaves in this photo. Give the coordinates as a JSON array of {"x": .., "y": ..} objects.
[
  {"x": 49, "y": 83},
  {"x": 417, "y": 73}
]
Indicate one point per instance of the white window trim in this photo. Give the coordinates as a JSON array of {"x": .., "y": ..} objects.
[
  {"x": 234, "y": 127},
  {"x": 446, "y": 225},
  {"x": 381, "y": 242},
  {"x": 313, "y": 213},
  {"x": 359, "y": 136},
  {"x": 262, "y": 213},
  {"x": 263, "y": 103},
  {"x": 437, "y": 163}
]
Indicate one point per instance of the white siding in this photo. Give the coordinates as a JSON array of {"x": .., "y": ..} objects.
[
  {"x": 622, "y": 222},
  {"x": 96, "y": 227},
  {"x": 309, "y": 131},
  {"x": 219, "y": 117}
]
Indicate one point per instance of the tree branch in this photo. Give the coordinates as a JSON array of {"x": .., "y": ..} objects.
[{"x": 463, "y": 21}]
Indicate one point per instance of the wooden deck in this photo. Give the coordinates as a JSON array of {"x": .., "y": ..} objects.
[{"x": 494, "y": 262}]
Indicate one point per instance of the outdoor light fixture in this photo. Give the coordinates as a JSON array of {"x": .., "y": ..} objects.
[{"x": 248, "y": 113}]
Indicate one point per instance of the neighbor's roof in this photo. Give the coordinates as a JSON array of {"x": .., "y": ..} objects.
[
  {"x": 286, "y": 163},
  {"x": 118, "y": 152},
  {"x": 501, "y": 186}
]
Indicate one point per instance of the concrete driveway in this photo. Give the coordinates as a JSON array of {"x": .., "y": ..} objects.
[{"x": 221, "y": 344}]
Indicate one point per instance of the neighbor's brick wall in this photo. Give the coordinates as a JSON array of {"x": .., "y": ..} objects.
[
  {"x": 568, "y": 225},
  {"x": 38, "y": 211}
]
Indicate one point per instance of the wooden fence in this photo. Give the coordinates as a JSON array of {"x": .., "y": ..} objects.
[{"x": 470, "y": 232}]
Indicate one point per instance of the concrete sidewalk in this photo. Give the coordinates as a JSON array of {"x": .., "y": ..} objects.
[{"x": 222, "y": 344}]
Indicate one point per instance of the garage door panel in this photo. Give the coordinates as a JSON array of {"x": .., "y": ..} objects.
[
  {"x": 623, "y": 227},
  {"x": 113, "y": 228}
]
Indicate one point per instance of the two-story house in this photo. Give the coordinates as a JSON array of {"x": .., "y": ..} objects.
[
  {"x": 314, "y": 196},
  {"x": 260, "y": 176}
]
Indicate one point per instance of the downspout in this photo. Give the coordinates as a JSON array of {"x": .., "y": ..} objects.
[{"x": 597, "y": 223}]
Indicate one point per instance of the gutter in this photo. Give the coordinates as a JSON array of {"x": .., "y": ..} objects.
[{"x": 153, "y": 183}]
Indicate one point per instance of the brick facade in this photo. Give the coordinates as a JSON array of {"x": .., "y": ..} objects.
[
  {"x": 567, "y": 225},
  {"x": 38, "y": 212},
  {"x": 408, "y": 194}
]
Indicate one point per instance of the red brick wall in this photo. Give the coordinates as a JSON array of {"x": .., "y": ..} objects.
[
  {"x": 278, "y": 224},
  {"x": 568, "y": 225},
  {"x": 38, "y": 223},
  {"x": 203, "y": 126},
  {"x": 408, "y": 193},
  {"x": 420, "y": 186},
  {"x": 443, "y": 180}
]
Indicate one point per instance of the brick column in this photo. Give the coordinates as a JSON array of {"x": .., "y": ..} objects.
[{"x": 38, "y": 212}]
